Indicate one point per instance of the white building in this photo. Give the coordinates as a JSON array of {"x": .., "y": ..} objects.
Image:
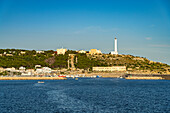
[
  {"x": 10, "y": 69},
  {"x": 22, "y": 69},
  {"x": 39, "y": 52},
  {"x": 30, "y": 71},
  {"x": 61, "y": 51},
  {"x": 46, "y": 70},
  {"x": 22, "y": 52},
  {"x": 81, "y": 51},
  {"x": 43, "y": 70},
  {"x": 115, "y": 45},
  {"x": 9, "y": 54},
  {"x": 39, "y": 70},
  {"x": 37, "y": 66}
]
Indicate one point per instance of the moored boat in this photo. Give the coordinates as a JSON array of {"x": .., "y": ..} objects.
[
  {"x": 40, "y": 82},
  {"x": 62, "y": 76}
]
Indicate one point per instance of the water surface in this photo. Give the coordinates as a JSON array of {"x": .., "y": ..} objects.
[{"x": 88, "y": 95}]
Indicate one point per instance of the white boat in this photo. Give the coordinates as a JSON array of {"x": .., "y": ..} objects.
[
  {"x": 120, "y": 77},
  {"x": 40, "y": 82}
]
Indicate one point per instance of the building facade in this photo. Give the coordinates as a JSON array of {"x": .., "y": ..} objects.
[
  {"x": 110, "y": 69},
  {"x": 61, "y": 51},
  {"x": 39, "y": 52},
  {"x": 81, "y": 51},
  {"x": 95, "y": 51}
]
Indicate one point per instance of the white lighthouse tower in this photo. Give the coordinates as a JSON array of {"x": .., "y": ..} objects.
[{"x": 115, "y": 45}]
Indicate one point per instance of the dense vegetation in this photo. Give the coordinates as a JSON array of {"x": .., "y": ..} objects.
[
  {"x": 84, "y": 62},
  {"x": 30, "y": 58}
]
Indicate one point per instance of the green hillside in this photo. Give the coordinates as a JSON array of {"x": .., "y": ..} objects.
[{"x": 29, "y": 58}]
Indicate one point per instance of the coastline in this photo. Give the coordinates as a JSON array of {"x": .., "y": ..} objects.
[
  {"x": 32, "y": 78},
  {"x": 92, "y": 75},
  {"x": 132, "y": 76},
  {"x": 144, "y": 78}
]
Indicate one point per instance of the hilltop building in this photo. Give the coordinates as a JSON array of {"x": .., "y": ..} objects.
[
  {"x": 39, "y": 52},
  {"x": 81, "y": 51},
  {"x": 115, "y": 45},
  {"x": 22, "y": 52},
  {"x": 61, "y": 51},
  {"x": 94, "y": 51}
]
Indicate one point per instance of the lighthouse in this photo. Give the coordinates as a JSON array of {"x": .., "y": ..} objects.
[{"x": 115, "y": 47}]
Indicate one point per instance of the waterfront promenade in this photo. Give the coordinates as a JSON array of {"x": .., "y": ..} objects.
[
  {"x": 32, "y": 78},
  {"x": 145, "y": 78}
]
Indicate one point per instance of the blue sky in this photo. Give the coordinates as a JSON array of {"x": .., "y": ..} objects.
[{"x": 142, "y": 27}]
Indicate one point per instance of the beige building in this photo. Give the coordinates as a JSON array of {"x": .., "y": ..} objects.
[
  {"x": 22, "y": 52},
  {"x": 95, "y": 51},
  {"x": 61, "y": 51},
  {"x": 9, "y": 54},
  {"x": 111, "y": 69},
  {"x": 10, "y": 69},
  {"x": 1, "y": 69}
]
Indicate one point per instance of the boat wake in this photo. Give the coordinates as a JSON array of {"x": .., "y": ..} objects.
[{"x": 65, "y": 103}]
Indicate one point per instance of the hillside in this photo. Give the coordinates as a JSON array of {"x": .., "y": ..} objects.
[
  {"x": 30, "y": 58},
  {"x": 133, "y": 63}
]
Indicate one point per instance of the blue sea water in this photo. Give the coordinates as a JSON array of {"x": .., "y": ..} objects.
[{"x": 85, "y": 95}]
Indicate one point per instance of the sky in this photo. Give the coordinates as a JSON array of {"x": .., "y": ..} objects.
[{"x": 142, "y": 27}]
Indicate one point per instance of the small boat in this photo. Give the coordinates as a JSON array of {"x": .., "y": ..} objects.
[
  {"x": 97, "y": 76},
  {"x": 62, "y": 76},
  {"x": 76, "y": 78},
  {"x": 40, "y": 82},
  {"x": 121, "y": 77}
]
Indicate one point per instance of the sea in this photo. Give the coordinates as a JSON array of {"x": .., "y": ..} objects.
[{"x": 85, "y": 95}]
